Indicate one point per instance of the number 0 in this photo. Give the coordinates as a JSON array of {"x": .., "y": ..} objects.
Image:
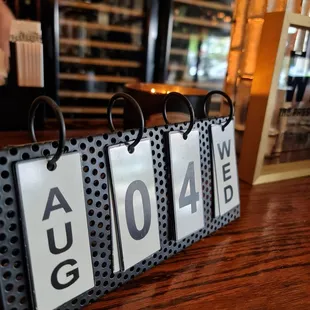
[
  {"x": 193, "y": 196},
  {"x": 135, "y": 233}
]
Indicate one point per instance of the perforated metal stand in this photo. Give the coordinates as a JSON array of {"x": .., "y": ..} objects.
[{"x": 15, "y": 293}]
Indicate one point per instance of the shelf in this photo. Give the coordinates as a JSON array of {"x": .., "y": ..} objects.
[
  {"x": 205, "y": 4},
  {"x": 89, "y": 110},
  {"x": 175, "y": 67},
  {"x": 98, "y": 124},
  {"x": 101, "y": 8},
  {"x": 100, "y": 44},
  {"x": 100, "y": 62},
  {"x": 201, "y": 22},
  {"x": 213, "y": 85},
  {"x": 178, "y": 51},
  {"x": 184, "y": 36},
  {"x": 97, "y": 26},
  {"x": 84, "y": 95},
  {"x": 97, "y": 78}
]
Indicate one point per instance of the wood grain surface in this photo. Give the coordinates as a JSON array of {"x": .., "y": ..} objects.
[{"x": 260, "y": 261}]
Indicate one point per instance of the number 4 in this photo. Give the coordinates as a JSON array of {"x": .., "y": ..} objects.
[{"x": 193, "y": 196}]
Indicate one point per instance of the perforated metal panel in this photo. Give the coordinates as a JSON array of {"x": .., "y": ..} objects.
[{"x": 15, "y": 292}]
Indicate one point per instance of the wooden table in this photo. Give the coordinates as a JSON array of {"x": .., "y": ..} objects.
[{"x": 260, "y": 261}]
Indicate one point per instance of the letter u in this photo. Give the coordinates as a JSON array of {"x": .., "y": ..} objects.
[{"x": 51, "y": 240}]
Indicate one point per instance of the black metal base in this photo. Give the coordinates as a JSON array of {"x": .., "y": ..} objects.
[{"x": 14, "y": 279}]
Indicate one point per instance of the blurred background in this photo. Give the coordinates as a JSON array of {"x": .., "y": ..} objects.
[
  {"x": 98, "y": 46},
  {"x": 93, "y": 48}
]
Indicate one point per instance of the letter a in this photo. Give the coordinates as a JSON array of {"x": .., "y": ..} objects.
[{"x": 55, "y": 192}]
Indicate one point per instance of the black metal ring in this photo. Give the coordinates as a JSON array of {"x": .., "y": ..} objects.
[
  {"x": 131, "y": 147},
  {"x": 207, "y": 101},
  {"x": 190, "y": 109},
  {"x": 51, "y": 164}
]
